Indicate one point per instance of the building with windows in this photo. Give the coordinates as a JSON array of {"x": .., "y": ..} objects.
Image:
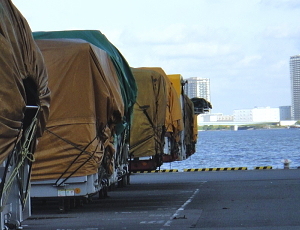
[
  {"x": 258, "y": 114},
  {"x": 198, "y": 87},
  {"x": 295, "y": 86},
  {"x": 285, "y": 113}
]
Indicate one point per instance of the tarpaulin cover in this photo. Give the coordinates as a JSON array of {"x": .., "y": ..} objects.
[
  {"x": 149, "y": 114},
  {"x": 174, "y": 117},
  {"x": 176, "y": 82},
  {"x": 176, "y": 79},
  {"x": 201, "y": 105},
  {"x": 189, "y": 121},
  {"x": 195, "y": 132},
  {"x": 20, "y": 59},
  {"x": 86, "y": 103},
  {"x": 126, "y": 79}
]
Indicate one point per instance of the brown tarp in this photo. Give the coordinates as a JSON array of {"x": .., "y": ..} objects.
[
  {"x": 86, "y": 103},
  {"x": 20, "y": 59},
  {"x": 189, "y": 121},
  {"x": 149, "y": 113},
  {"x": 195, "y": 132}
]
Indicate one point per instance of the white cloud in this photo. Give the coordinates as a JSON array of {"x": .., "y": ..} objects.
[
  {"x": 284, "y": 30},
  {"x": 291, "y": 4},
  {"x": 249, "y": 60},
  {"x": 193, "y": 50}
]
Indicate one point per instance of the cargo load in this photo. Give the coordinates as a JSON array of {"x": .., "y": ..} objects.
[
  {"x": 128, "y": 91},
  {"x": 86, "y": 104},
  {"x": 179, "y": 83},
  {"x": 148, "y": 121},
  {"x": 201, "y": 106},
  {"x": 98, "y": 82},
  {"x": 189, "y": 126},
  {"x": 126, "y": 79},
  {"x": 173, "y": 121},
  {"x": 24, "y": 110}
]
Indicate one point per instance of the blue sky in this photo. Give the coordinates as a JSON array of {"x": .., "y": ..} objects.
[{"x": 242, "y": 46}]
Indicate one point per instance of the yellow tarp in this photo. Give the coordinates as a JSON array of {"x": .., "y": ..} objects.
[
  {"x": 174, "y": 117},
  {"x": 149, "y": 113},
  {"x": 20, "y": 59},
  {"x": 86, "y": 103},
  {"x": 176, "y": 80}
]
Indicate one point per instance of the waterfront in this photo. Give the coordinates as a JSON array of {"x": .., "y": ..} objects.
[{"x": 243, "y": 148}]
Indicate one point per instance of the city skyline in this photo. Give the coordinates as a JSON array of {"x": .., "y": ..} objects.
[{"x": 243, "y": 47}]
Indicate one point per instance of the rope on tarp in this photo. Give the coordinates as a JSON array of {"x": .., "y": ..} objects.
[
  {"x": 21, "y": 156},
  {"x": 156, "y": 130},
  {"x": 82, "y": 151}
]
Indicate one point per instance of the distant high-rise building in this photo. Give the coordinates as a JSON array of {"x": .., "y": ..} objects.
[
  {"x": 198, "y": 87},
  {"x": 295, "y": 86},
  {"x": 285, "y": 113}
]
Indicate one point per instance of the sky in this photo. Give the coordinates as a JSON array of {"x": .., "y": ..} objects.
[{"x": 242, "y": 46}]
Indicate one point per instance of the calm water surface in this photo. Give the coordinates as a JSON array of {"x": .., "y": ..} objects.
[{"x": 243, "y": 148}]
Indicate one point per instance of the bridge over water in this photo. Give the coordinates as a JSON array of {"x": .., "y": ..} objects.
[
  {"x": 231, "y": 123},
  {"x": 235, "y": 124}
]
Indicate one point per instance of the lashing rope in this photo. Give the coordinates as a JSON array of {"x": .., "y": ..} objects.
[{"x": 29, "y": 136}]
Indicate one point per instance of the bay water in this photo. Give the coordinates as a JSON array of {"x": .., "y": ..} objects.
[{"x": 243, "y": 148}]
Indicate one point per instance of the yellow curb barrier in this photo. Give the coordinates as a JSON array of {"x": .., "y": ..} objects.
[
  {"x": 262, "y": 167},
  {"x": 215, "y": 169},
  {"x": 158, "y": 171}
]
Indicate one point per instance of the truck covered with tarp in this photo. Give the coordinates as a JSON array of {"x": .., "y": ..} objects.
[
  {"x": 189, "y": 122},
  {"x": 148, "y": 121},
  {"x": 75, "y": 157},
  {"x": 126, "y": 79},
  {"x": 117, "y": 166},
  {"x": 201, "y": 106},
  {"x": 173, "y": 120},
  {"x": 127, "y": 86},
  {"x": 24, "y": 110},
  {"x": 179, "y": 85}
]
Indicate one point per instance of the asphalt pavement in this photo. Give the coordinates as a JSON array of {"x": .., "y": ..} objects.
[{"x": 227, "y": 200}]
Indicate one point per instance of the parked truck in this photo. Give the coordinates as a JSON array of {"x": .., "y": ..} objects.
[
  {"x": 128, "y": 91},
  {"x": 148, "y": 121},
  {"x": 24, "y": 109},
  {"x": 173, "y": 121},
  {"x": 179, "y": 85},
  {"x": 163, "y": 120},
  {"x": 85, "y": 147}
]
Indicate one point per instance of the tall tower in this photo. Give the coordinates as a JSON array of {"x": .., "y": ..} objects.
[
  {"x": 198, "y": 87},
  {"x": 295, "y": 86}
]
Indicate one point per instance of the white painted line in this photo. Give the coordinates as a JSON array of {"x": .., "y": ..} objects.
[
  {"x": 168, "y": 223},
  {"x": 78, "y": 229}
]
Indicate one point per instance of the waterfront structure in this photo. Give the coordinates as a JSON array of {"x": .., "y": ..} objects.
[
  {"x": 258, "y": 114},
  {"x": 198, "y": 87},
  {"x": 295, "y": 86},
  {"x": 214, "y": 117}
]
